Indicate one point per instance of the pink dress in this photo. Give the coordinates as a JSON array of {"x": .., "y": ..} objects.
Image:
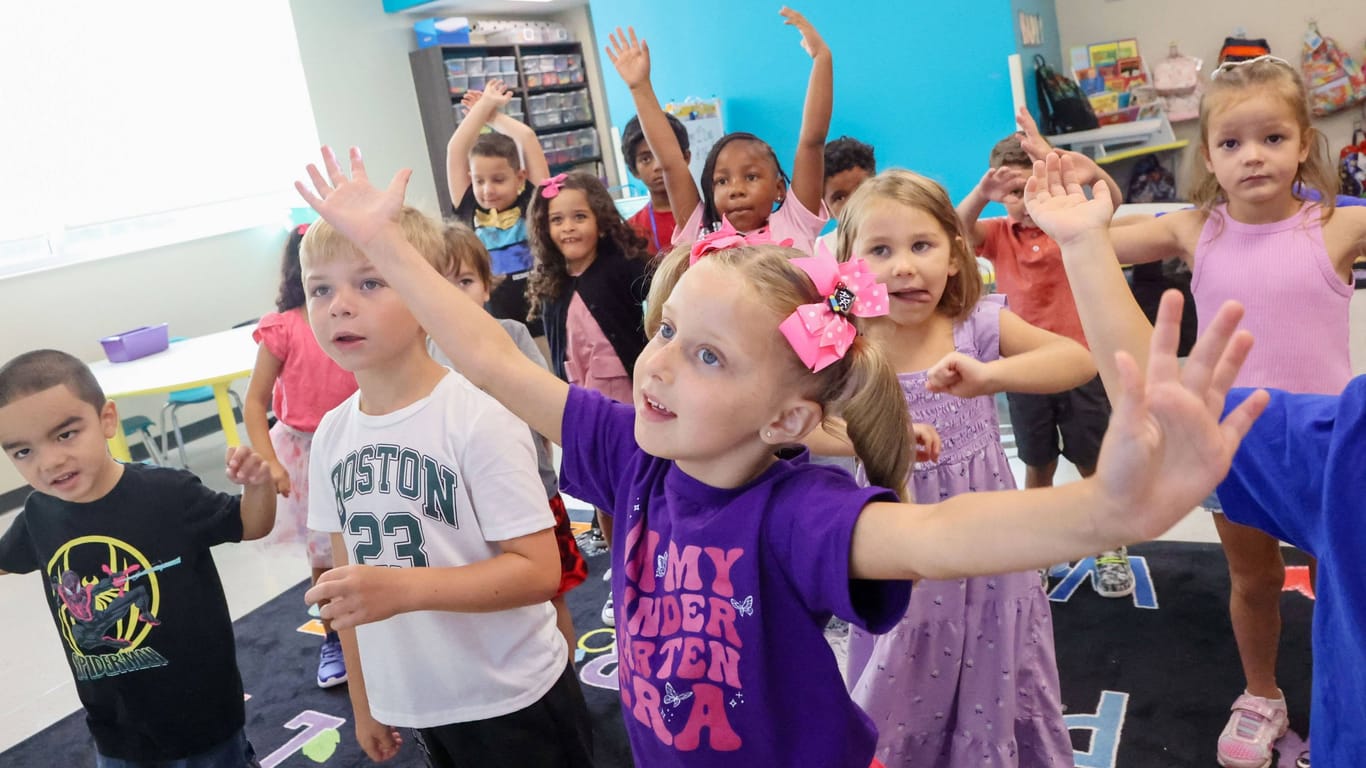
[
  {"x": 309, "y": 385},
  {"x": 590, "y": 361},
  {"x": 791, "y": 220}
]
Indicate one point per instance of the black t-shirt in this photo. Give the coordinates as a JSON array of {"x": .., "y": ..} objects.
[{"x": 139, "y": 608}]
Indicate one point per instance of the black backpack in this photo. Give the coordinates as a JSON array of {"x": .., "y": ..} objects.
[
  {"x": 1064, "y": 106},
  {"x": 1151, "y": 182}
]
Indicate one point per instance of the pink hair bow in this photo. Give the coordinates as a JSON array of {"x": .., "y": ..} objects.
[
  {"x": 726, "y": 236},
  {"x": 301, "y": 229},
  {"x": 551, "y": 186},
  {"x": 821, "y": 333}
]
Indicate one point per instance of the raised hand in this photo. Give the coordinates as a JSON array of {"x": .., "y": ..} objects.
[
  {"x": 497, "y": 92},
  {"x": 1057, "y": 202},
  {"x": 356, "y": 594},
  {"x": 960, "y": 375},
  {"x": 630, "y": 56},
  {"x": 353, "y": 205},
  {"x": 1032, "y": 142},
  {"x": 812, "y": 42},
  {"x": 999, "y": 183},
  {"x": 246, "y": 467},
  {"x": 1166, "y": 447}
]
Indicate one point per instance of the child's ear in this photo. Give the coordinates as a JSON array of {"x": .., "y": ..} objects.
[
  {"x": 687, "y": 156},
  {"x": 794, "y": 422},
  {"x": 109, "y": 419}
]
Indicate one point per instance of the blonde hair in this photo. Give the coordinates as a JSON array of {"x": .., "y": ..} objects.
[
  {"x": 898, "y": 185},
  {"x": 323, "y": 243},
  {"x": 1284, "y": 82},
  {"x": 861, "y": 387}
]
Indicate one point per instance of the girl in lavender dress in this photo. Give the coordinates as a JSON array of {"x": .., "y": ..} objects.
[{"x": 968, "y": 676}]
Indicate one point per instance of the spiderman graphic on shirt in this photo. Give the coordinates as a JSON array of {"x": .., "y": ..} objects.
[{"x": 91, "y": 623}]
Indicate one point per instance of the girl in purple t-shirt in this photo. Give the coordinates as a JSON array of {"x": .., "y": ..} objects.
[
  {"x": 733, "y": 553},
  {"x": 742, "y": 180}
]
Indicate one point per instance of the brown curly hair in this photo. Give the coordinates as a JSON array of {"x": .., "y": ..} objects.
[{"x": 549, "y": 274}]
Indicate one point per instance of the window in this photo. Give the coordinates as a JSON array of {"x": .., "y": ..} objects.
[{"x": 135, "y": 125}]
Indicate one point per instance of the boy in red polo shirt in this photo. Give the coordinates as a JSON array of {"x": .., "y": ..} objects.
[
  {"x": 654, "y": 222},
  {"x": 1029, "y": 271}
]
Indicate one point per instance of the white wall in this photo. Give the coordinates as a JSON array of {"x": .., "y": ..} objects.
[{"x": 1199, "y": 29}]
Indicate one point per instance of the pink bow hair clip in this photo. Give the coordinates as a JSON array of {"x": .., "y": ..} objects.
[
  {"x": 726, "y": 236},
  {"x": 821, "y": 333},
  {"x": 301, "y": 229},
  {"x": 551, "y": 186}
]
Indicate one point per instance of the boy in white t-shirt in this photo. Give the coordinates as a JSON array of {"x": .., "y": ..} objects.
[{"x": 423, "y": 472}]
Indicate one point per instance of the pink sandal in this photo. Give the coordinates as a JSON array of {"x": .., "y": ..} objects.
[{"x": 1251, "y": 732}]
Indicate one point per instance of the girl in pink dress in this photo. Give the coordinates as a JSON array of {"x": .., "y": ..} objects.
[
  {"x": 588, "y": 284},
  {"x": 295, "y": 379}
]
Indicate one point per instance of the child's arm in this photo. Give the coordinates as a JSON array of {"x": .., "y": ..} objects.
[
  {"x": 631, "y": 57},
  {"x": 1034, "y": 145},
  {"x": 1165, "y": 450},
  {"x": 993, "y": 187},
  {"x": 808, "y": 167},
  {"x": 259, "y": 391},
  {"x": 379, "y": 741},
  {"x": 248, "y": 469},
  {"x": 1032, "y": 361},
  {"x": 533, "y": 156},
  {"x": 462, "y": 141},
  {"x": 474, "y": 341},
  {"x": 527, "y": 572}
]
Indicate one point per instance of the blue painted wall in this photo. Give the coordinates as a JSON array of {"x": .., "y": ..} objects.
[
  {"x": 1050, "y": 48},
  {"x": 926, "y": 84}
]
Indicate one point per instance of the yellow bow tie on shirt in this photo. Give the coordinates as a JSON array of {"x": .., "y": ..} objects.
[{"x": 498, "y": 219}]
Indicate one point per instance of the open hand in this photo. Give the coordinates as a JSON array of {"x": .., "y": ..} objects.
[
  {"x": 1057, "y": 202},
  {"x": 246, "y": 467},
  {"x": 999, "y": 183},
  {"x": 812, "y": 42},
  {"x": 1032, "y": 142},
  {"x": 352, "y": 205},
  {"x": 1166, "y": 447},
  {"x": 356, "y": 594},
  {"x": 960, "y": 375},
  {"x": 927, "y": 443},
  {"x": 630, "y": 56}
]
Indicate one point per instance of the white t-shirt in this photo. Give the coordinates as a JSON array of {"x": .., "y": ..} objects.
[{"x": 438, "y": 483}]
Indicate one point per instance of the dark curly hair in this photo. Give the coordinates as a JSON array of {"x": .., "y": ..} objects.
[
  {"x": 291, "y": 294},
  {"x": 846, "y": 153},
  {"x": 710, "y": 218},
  {"x": 634, "y": 135},
  {"x": 549, "y": 275}
]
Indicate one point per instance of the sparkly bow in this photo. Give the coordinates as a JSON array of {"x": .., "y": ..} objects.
[
  {"x": 726, "y": 236},
  {"x": 551, "y": 186},
  {"x": 821, "y": 333},
  {"x": 497, "y": 219}
]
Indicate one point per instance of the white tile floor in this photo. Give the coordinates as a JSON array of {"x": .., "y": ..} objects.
[{"x": 36, "y": 677}]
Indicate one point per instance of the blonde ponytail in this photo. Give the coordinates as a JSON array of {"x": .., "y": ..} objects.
[{"x": 876, "y": 418}]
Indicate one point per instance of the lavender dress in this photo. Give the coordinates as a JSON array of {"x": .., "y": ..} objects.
[{"x": 969, "y": 676}]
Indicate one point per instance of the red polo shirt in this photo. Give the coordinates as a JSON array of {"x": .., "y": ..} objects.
[{"x": 1030, "y": 273}]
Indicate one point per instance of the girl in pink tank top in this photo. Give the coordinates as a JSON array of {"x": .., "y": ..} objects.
[{"x": 1255, "y": 237}]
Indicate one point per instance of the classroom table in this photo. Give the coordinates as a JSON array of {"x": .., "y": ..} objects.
[{"x": 214, "y": 360}]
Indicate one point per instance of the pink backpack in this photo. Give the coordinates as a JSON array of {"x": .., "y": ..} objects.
[{"x": 1177, "y": 80}]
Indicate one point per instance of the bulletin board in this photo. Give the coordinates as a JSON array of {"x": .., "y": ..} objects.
[{"x": 702, "y": 119}]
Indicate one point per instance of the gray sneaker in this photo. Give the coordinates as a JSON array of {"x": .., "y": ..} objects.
[{"x": 1113, "y": 576}]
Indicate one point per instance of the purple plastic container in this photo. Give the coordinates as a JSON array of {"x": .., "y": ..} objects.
[{"x": 139, "y": 342}]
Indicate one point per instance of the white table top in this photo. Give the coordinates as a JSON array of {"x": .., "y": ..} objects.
[
  {"x": 1129, "y": 209},
  {"x": 194, "y": 362}
]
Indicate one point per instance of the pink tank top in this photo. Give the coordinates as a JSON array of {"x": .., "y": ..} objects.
[{"x": 1296, "y": 304}]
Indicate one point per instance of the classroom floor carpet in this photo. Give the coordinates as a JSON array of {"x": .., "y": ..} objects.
[{"x": 1146, "y": 680}]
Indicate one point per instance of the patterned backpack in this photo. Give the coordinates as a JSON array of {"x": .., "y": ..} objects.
[{"x": 1333, "y": 80}]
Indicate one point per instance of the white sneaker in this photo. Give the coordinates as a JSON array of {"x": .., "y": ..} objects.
[{"x": 608, "y": 615}]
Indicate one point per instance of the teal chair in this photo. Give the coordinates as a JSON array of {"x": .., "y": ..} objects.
[
  {"x": 183, "y": 397},
  {"x": 141, "y": 425}
]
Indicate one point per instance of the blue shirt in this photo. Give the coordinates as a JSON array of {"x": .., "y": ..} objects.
[{"x": 1297, "y": 477}]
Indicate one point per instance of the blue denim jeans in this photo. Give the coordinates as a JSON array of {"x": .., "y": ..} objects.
[{"x": 235, "y": 752}]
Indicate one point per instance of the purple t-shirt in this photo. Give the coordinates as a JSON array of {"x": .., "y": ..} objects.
[{"x": 722, "y": 597}]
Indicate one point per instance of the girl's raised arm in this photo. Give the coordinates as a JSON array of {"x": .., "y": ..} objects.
[
  {"x": 1165, "y": 450},
  {"x": 631, "y": 57},
  {"x": 477, "y": 345},
  {"x": 808, "y": 167}
]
